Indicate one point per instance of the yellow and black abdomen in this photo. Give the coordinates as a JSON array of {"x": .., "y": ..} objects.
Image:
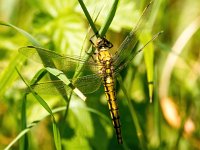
[
  {"x": 104, "y": 59},
  {"x": 112, "y": 104}
]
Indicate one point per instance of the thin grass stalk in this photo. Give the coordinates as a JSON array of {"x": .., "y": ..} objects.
[
  {"x": 133, "y": 114},
  {"x": 157, "y": 110},
  {"x": 87, "y": 15},
  {"x": 23, "y": 144}
]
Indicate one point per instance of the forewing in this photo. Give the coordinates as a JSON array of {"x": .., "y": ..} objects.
[
  {"x": 51, "y": 59},
  {"x": 127, "y": 49}
]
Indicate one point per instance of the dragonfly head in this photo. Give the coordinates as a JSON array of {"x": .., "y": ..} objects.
[{"x": 102, "y": 43}]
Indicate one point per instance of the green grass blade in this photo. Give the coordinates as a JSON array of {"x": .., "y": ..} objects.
[
  {"x": 38, "y": 76},
  {"x": 24, "y": 33},
  {"x": 56, "y": 131},
  {"x": 149, "y": 59},
  {"x": 48, "y": 109},
  {"x": 31, "y": 125},
  {"x": 56, "y": 134},
  {"x": 157, "y": 110},
  {"x": 149, "y": 49},
  {"x": 38, "y": 98},
  {"x": 9, "y": 74},
  {"x": 87, "y": 15},
  {"x": 24, "y": 140},
  {"x": 133, "y": 114},
  {"x": 60, "y": 75},
  {"x": 20, "y": 135},
  {"x": 109, "y": 19},
  {"x": 149, "y": 62}
]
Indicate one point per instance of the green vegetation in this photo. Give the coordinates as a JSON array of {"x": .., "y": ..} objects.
[{"x": 55, "y": 121}]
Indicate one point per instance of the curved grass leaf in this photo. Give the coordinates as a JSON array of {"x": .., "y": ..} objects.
[
  {"x": 57, "y": 134},
  {"x": 149, "y": 61},
  {"x": 87, "y": 15},
  {"x": 48, "y": 109},
  {"x": 109, "y": 19},
  {"x": 9, "y": 74},
  {"x": 24, "y": 140},
  {"x": 107, "y": 22},
  {"x": 20, "y": 135},
  {"x": 31, "y": 39},
  {"x": 38, "y": 76},
  {"x": 133, "y": 114},
  {"x": 39, "y": 99},
  {"x": 33, "y": 124},
  {"x": 60, "y": 75}
]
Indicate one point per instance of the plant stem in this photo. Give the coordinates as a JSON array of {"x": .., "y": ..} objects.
[{"x": 133, "y": 114}]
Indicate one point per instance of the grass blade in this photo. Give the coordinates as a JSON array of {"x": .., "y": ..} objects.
[
  {"x": 38, "y": 98},
  {"x": 9, "y": 74},
  {"x": 31, "y": 125},
  {"x": 48, "y": 109},
  {"x": 24, "y": 140},
  {"x": 60, "y": 75},
  {"x": 56, "y": 134},
  {"x": 133, "y": 114},
  {"x": 87, "y": 15},
  {"x": 24, "y": 33},
  {"x": 109, "y": 19},
  {"x": 20, "y": 135}
]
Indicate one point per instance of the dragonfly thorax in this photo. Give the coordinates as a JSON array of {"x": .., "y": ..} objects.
[
  {"x": 103, "y": 56},
  {"x": 104, "y": 59}
]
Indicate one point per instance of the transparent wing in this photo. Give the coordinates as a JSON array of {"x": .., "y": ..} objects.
[
  {"x": 86, "y": 84},
  {"x": 51, "y": 59},
  {"x": 119, "y": 68},
  {"x": 127, "y": 49}
]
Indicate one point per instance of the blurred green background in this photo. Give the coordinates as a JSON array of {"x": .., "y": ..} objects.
[{"x": 171, "y": 121}]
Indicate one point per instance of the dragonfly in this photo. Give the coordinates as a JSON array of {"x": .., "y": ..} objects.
[{"x": 103, "y": 69}]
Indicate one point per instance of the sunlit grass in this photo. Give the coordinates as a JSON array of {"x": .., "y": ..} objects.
[{"x": 170, "y": 122}]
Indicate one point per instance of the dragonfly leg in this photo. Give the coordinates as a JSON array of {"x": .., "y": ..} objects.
[
  {"x": 93, "y": 57},
  {"x": 91, "y": 39},
  {"x": 95, "y": 35},
  {"x": 91, "y": 54}
]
